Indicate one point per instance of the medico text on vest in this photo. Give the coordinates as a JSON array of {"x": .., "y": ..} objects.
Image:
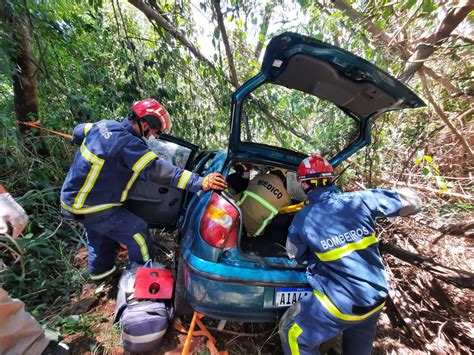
[{"x": 271, "y": 188}]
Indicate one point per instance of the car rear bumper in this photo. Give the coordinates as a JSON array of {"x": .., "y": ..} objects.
[{"x": 234, "y": 293}]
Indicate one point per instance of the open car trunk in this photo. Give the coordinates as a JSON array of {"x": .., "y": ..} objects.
[{"x": 272, "y": 242}]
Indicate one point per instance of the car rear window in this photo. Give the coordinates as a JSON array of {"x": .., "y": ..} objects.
[{"x": 277, "y": 116}]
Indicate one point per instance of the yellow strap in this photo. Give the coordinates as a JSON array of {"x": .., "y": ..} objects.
[
  {"x": 139, "y": 165},
  {"x": 35, "y": 124},
  {"x": 347, "y": 249},
  {"x": 331, "y": 308},
  {"x": 89, "y": 209},
  {"x": 183, "y": 180},
  {"x": 293, "y": 208},
  {"x": 293, "y": 333},
  {"x": 143, "y": 247}
]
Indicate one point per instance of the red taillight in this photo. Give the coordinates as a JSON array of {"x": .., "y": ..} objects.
[{"x": 220, "y": 223}]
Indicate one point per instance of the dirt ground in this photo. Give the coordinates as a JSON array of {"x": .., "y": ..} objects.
[{"x": 425, "y": 315}]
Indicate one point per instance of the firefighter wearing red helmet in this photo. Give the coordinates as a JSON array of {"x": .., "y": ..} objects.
[
  {"x": 314, "y": 171},
  {"x": 335, "y": 234},
  {"x": 112, "y": 156},
  {"x": 152, "y": 113}
]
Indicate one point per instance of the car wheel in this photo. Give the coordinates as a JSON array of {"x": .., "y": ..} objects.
[{"x": 181, "y": 304}]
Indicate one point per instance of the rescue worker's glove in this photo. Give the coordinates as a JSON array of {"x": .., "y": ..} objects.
[
  {"x": 13, "y": 218},
  {"x": 214, "y": 181}
]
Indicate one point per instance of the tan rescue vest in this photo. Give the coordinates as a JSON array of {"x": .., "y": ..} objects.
[{"x": 264, "y": 196}]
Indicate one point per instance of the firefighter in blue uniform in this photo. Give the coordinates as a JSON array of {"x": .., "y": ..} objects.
[
  {"x": 336, "y": 233},
  {"x": 112, "y": 156}
]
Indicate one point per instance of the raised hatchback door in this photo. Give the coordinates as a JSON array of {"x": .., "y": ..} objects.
[{"x": 312, "y": 96}]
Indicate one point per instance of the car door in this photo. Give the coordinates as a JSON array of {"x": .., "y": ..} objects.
[{"x": 161, "y": 205}]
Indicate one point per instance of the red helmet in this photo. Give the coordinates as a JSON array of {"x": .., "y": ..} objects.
[
  {"x": 152, "y": 112},
  {"x": 313, "y": 168}
]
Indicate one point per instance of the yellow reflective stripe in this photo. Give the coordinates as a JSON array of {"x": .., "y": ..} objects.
[
  {"x": 183, "y": 180},
  {"x": 143, "y": 247},
  {"x": 90, "y": 209},
  {"x": 91, "y": 178},
  {"x": 242, "y": 199},
  {"x": 331, "y": 308},
  {"x": 264, "y": 223},
  {"x": 347, "y": 249},
  {"x": 103, "y": 275},
  {"x": 139, "y": 165},
  {"x": 87, "y": 128},
  {"x": 262, "y": 201},
  {"x": 293, "y": 333},
  {"x": 265, "y": 203}
]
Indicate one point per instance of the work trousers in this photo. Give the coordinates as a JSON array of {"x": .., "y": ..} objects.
[
  {"x": 104, "y": 235},
  {"x": 307, "y": 324},
  {"x": 20, "y": 333}
]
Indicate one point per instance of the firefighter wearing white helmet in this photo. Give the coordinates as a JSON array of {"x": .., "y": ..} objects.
[
  {"x": 337, "y": 231},
  {"x": 112, "y": 156}
]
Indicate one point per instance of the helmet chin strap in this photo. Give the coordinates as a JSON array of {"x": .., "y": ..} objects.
[{"x": 145, "y": 133}]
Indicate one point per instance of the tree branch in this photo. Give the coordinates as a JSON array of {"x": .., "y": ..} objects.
[
  {"x": 460, "y": 278},
  {"x": 228, "y": 52},
  {"x": 141, "y": 81},
  {"x": 161, "y": 21},
  {"x": 443, "y": 116},
  {"x": 454, "y": 17},
  {"x": 267, "y": 15},
  {"x": 356, "y": 16},
  {"x": 412, "y": 16}
]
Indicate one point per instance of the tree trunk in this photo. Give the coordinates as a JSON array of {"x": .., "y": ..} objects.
[{"x": 24, "y": 76}]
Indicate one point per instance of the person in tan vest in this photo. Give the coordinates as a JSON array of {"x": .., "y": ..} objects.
[
  {"x": 261, "y": 201},
  {"x": 20, "y": 333}
]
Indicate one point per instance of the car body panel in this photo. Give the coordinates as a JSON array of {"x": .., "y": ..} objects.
[{"x": 220, "y": 294}]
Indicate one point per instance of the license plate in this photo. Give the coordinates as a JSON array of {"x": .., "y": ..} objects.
[{"x": 286, "y": 296}]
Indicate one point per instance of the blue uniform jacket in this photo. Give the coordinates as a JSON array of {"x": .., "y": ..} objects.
[
  {"x": 110, "y": 159},
  {"x": 338, "y": 231}
]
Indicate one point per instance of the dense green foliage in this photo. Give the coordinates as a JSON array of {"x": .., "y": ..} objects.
[{"x": 94, "y": 58}]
